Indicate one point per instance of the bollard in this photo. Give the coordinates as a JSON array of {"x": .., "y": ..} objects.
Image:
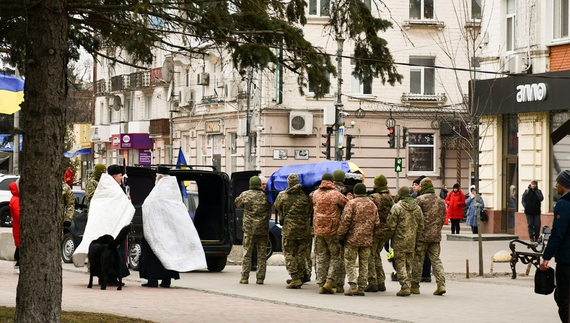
[{"x": 466, "y": 268}]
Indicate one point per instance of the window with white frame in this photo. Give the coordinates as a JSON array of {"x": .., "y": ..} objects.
[
  {"x": 319, "y": 8},
  {"x": 312, "y": 85},
  {"x": 510, "y": 36},
  {"x": 422, "y": 75},
  {"x": 476, "y": 9},
  {"x": 421, "y": 152},
  {"x": 110, "y": 110},
  {"x": 560, "y": 19},
  {"x": 356, "y": 86},
  {"x": 102, "y": 113},
  {"x": 421, "y": 9},
  {"x": 148, "y": 102}
]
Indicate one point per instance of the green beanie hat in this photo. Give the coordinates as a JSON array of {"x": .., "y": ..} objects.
[
  {"x": 292, "y": 179},
  {"x": 338, "y": 175},
  {"x": 381, "y": 183},
  {"x": 255, "y": 182},
  {"x": 403, "y": 192},
  {"x": 328, "y": 177},
  {"x": 426, "y": 186},
  {"x": 360, "y": 189},
  {"x": 98, "y": 170}
]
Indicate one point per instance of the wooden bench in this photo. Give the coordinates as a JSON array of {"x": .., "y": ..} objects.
[{"x": 532, "y": 254}]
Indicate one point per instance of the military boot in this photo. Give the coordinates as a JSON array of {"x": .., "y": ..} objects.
[
  {"x": 306, "y": 278},
  {"x": 404, "y": 292},
  {"x": 339, "y": 288},
  {"x": 371, "y": 288},
  {"x": 294, "y": 284},
  {"x": 382, "y": 287},
  {"x": 440, "y": 290},
  {"x": 244, "y": 281},
  {"x": 322, "y": 290},
  {"x": 415, "y": 290},
  {"x": 259, "y": 281},
  {"x": 328, "y": 286},
  {"x": 360, "y": 291}
]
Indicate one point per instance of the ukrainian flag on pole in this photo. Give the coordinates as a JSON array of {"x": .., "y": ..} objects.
[
  {"x": 11, "y": 93},
  {"x": 181, "y": 161}
]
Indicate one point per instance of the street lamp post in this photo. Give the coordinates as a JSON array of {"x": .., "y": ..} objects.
[{"x": 339, "y": 122}]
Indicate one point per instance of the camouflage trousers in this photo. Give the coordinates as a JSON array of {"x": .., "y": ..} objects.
[
  {"x": 308, "y": 261},
  {"x": 327, "y": 254},
  {"x": 403, "y": 264},
  {"x": 376, "y": 275},
  {"x": 350, "y": 254},
  {"x": 433, "y": 250},
  {"x": 295, "y": 254},
  {"x": 248, "y": 242}
]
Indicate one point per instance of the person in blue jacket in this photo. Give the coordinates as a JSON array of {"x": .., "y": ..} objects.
[
  {"x": 472, "y": 209},
  {"x": 559, "y": 245}
]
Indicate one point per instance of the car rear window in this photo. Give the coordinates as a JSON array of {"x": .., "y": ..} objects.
[{"x": 4, "y": 184}]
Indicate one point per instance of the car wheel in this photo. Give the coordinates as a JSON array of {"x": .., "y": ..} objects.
[
  {"x": 5, "y": 217},
  {"x": 135, "y": 256},
  {"x": 216, "y": 264},
  {"x": 67, "y": 248},
  {"x": 270, "y": 244}
]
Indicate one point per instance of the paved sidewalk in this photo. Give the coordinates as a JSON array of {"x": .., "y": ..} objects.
[{"x": 202, "y": 296}]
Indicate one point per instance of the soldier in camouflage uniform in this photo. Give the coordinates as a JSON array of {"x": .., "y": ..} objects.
[
  {"x": 295, "y": 208},
  {"x": 383, "y": 201},
  {"x": 68, "y": 205},
  {"x": 339, "y": 177},
  {"x": 93, "y": 182},
  {"x": 359, "y": 223},
  {"x": 405, "y": 222},
  {"x": 255, "y": 228},
  {"x": 328, "y": 205},
  {"x": 433, "y": 209}
]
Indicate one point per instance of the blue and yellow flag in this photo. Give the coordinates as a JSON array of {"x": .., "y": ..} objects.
[
  {"x": 11, "y": 93},
  {"x": 181, "y": 161}
]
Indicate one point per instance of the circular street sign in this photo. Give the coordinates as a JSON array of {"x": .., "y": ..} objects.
[{"x": 360, "y": 113}]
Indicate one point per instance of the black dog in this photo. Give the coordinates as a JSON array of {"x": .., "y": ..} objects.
[{"x": 104, "y": 258}]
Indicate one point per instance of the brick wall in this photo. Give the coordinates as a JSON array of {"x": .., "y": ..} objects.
[{"x": 560, "y": 58}]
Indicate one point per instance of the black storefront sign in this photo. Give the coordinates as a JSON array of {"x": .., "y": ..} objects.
[{"x": 521, "y": 93}]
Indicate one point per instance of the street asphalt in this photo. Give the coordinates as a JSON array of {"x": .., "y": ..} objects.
[{"x": 202, "y": 296}]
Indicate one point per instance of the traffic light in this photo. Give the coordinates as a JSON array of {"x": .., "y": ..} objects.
[
  {"x": 398, "y": 165},
  {"x": 405, "y": 137},
  {"x": 392, "y": 137},
  {"x": 349, "y": 146},
  {"x": 327, "y": 146}
]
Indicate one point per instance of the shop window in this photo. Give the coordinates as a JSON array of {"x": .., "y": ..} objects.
[
  {"x": 422, "y": 75},
  {"x": 421, "y": 9},
  {"x": 356, "y": 86},
  {"x": 510, "y": 36},
  {"x": 560, "y": 19},
  {"x": 560, "y": 157},
  {"x": 421, "y": 153},
  {"x": 319, "y": 8}
]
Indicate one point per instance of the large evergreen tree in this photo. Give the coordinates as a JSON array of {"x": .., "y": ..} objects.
[{"x": 42, "y": 36}]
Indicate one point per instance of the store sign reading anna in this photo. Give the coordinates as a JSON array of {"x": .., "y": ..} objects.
[{"x": 531, "y": 92}]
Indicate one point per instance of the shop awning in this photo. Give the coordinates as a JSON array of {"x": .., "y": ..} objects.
[{"x": 75, "y": 152}]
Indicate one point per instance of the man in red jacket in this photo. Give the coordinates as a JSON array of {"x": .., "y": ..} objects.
[{"x": 455, "y": 201}]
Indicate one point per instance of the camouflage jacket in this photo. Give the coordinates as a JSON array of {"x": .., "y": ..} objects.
[
  {"x": 90, "y": 188},
  {"x": 383, "y": 201},
  {"x": 405, "y": 221},
  {"x": 297, "y": 220},
  {"x": 359, "y": 222},
  {"x": 256, "y": 211},
  {"x": 328, "y": 205},
  {"x": 341, "y": 188},
  {"x": 68, "y": 203},
  {"x": 433, "y": 208}
]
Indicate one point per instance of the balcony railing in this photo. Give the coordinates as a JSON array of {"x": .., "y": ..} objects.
[
  {"x": 438, "y": 98},
  {"x": 159, "y": 127},
  {"x": 117, "y": 83},
  {"x": 102, "y": 86}
]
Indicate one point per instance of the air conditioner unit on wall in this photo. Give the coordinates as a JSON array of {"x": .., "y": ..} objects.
[
  {"x": 203, "y": 79},
  {"x": 517, "y": 63},
  {"x": 300, "y": 123}
]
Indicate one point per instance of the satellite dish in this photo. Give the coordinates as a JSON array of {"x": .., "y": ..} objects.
[
  {"x": 117, "y": 103},
  {"x": 169, "y": 94},
  {"x": 167, "y": 70}
]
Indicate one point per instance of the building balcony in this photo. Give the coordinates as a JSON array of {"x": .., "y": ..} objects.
[
  {"x": 439, "y": 98},
  {"x": 159, "y": 128},
  {"x": 423, "y": 23}
]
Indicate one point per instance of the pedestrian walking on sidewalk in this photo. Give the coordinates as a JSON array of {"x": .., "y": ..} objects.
[
  {"x": 531, "y": 201},
  {"x": 473, "y": 210},
  {"x": 559, "y": 245},
  {"x": 428, "y": 241},
  {"x": 405, "y": 222},
  {"x": 357, "y": 228},
  {"x": 455, "y": 201},
  {"x": 14, "y": 206}
]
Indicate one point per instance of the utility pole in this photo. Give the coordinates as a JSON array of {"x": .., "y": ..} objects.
[
  {"x": 249, "y": 142},
  {"x": 339, "y": 122}
]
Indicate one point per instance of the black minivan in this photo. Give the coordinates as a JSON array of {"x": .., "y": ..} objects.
[{"x": 218, "y": 224}]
